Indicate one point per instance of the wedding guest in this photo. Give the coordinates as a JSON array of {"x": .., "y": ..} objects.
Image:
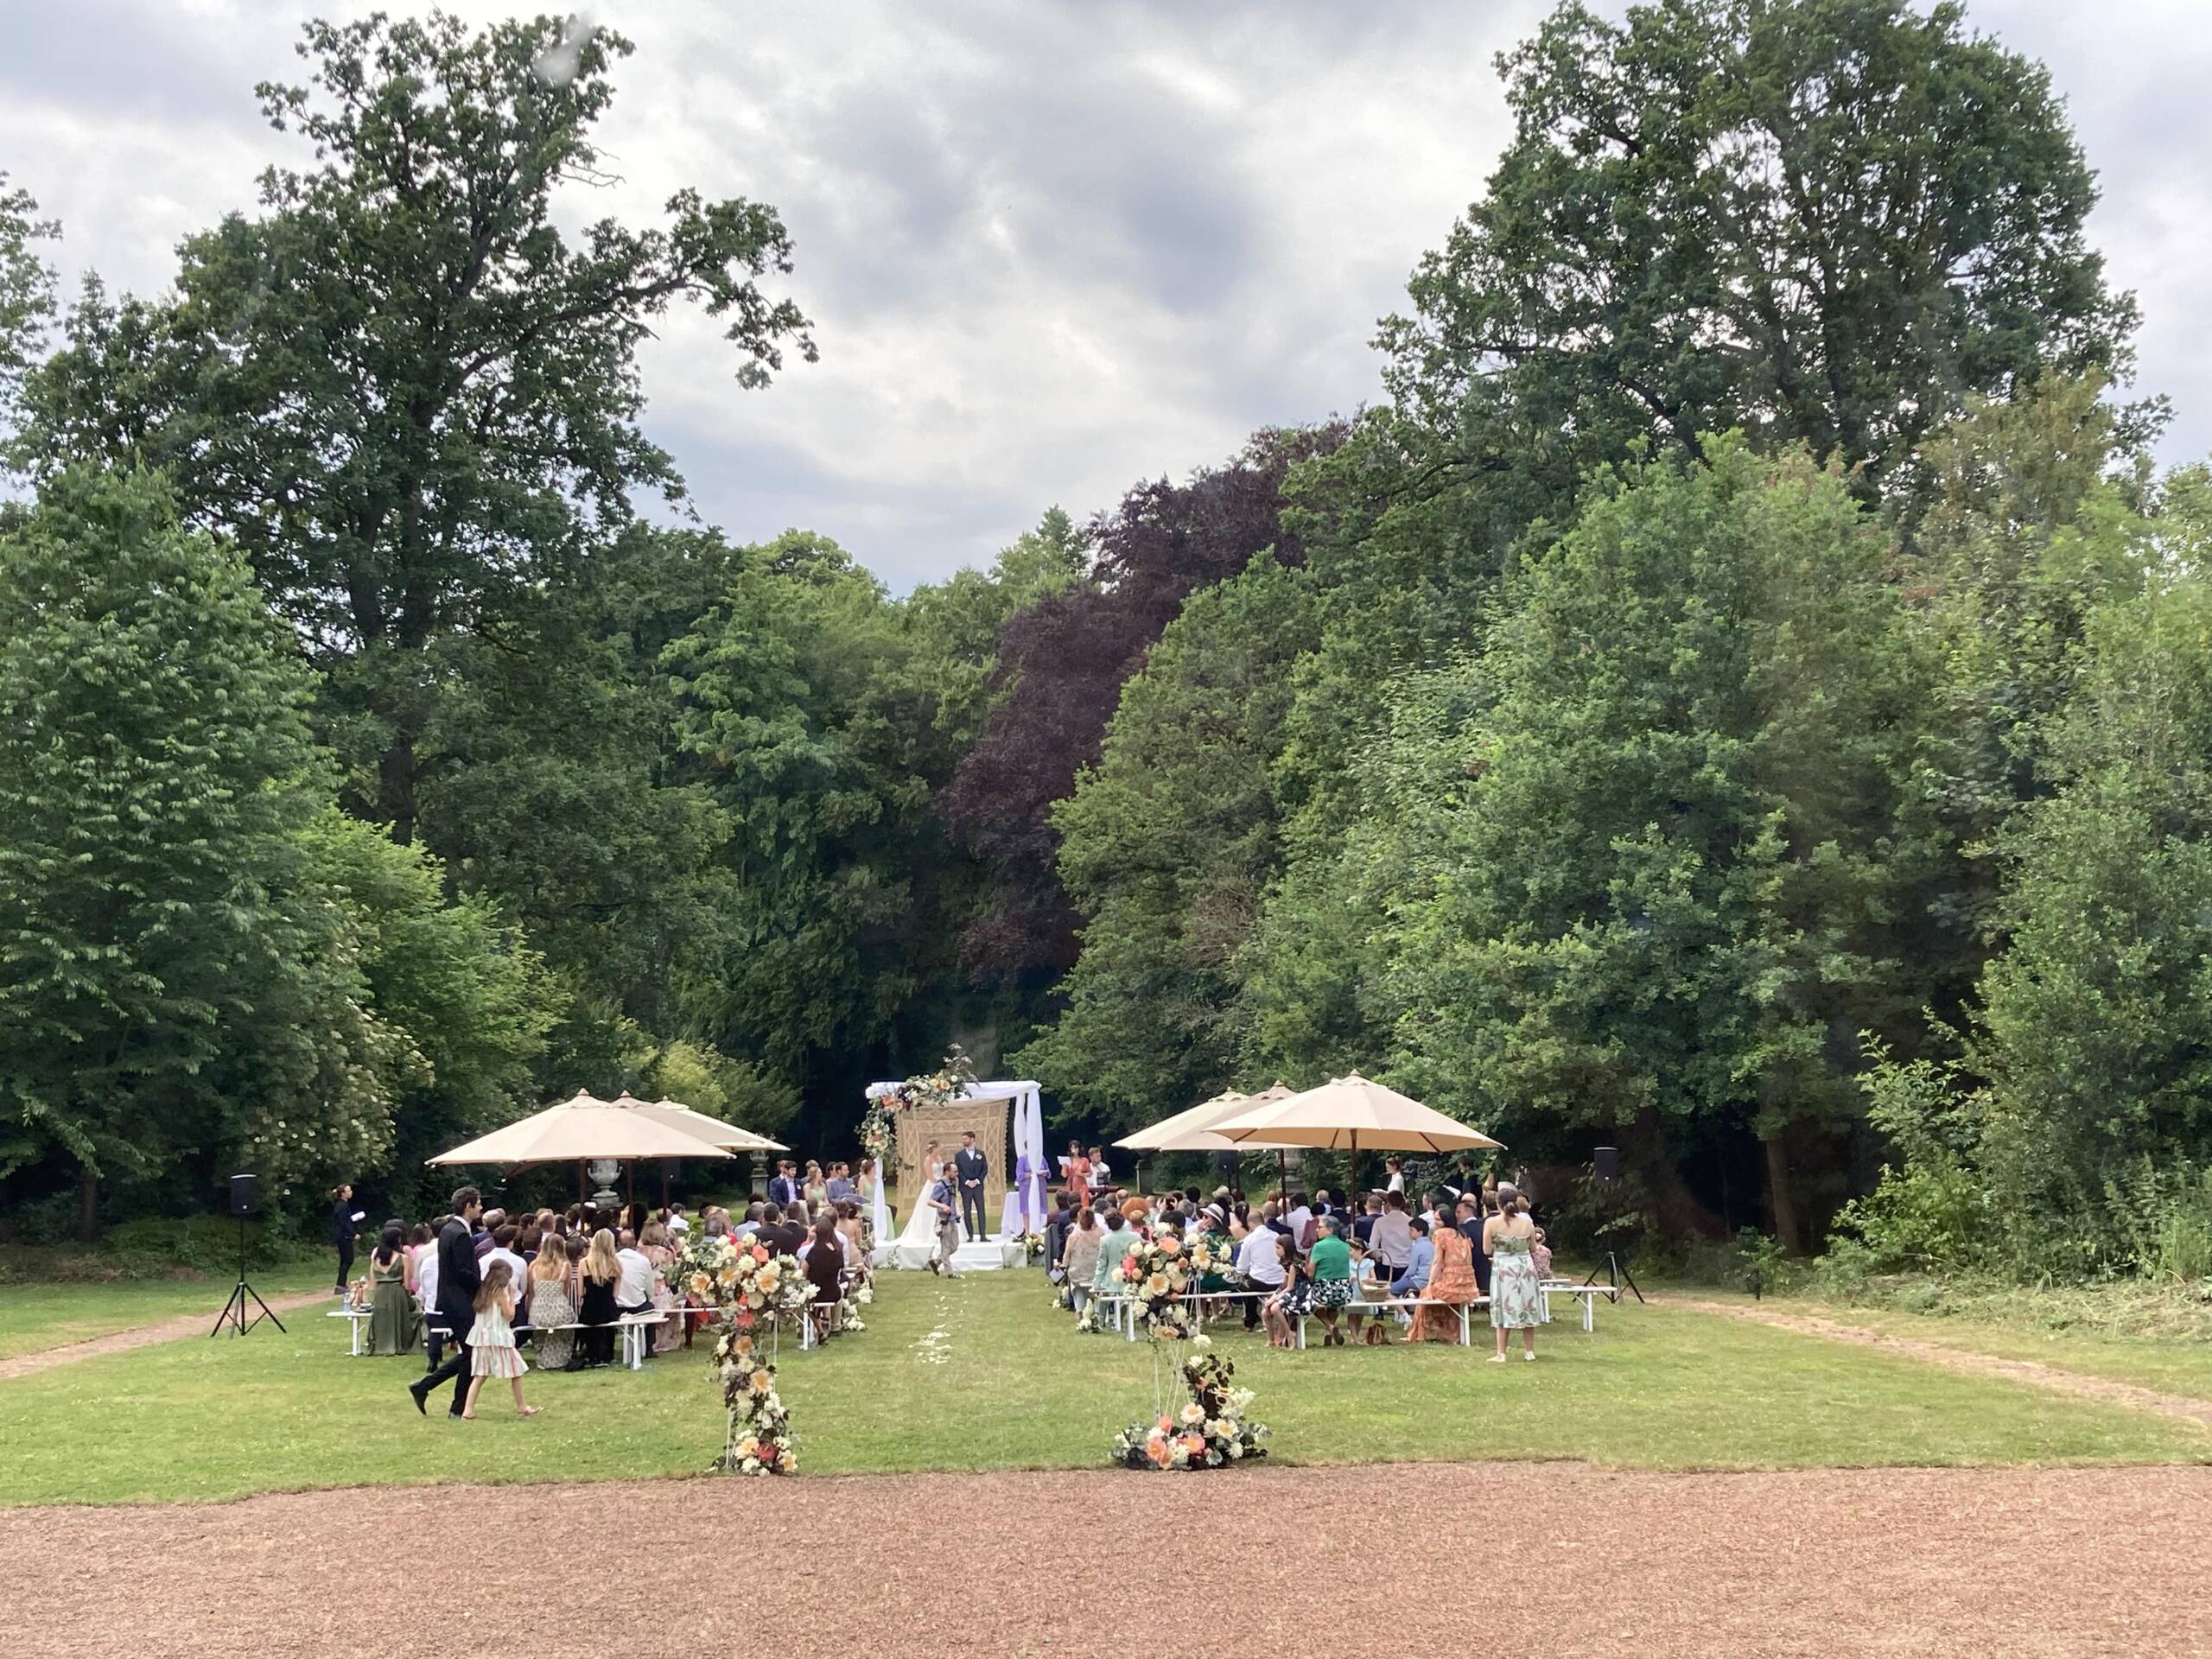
[
  {"x": 654, "y": 1246},
  {"x": 1261, "y": 1264},
  {"x": 394, "y": 1326},
  {"x": 825, "y": 1265},
  {"x": 1079, "y": 1254},
  {"x": 1393, "y": 1237},
  {"x": 1451, "y": 1286},
  {"x": 458, "y": 1281},
  {"x": 426, "y": 1296},
  {"x": 502, "y": 1250},
  {"x": 1292, "y": 1302},
  {"x": 1300, "y": 1216},
  {"x": 1079, "y": 1171},
  {"x": 1113, "y": 1244},
  {"x": 1057, "y": 1218},
  {"x": 1395, "y": 1167},
  {"x": 1516, "y": 1300},
  {"x": 633, "y": 1293},
  {"x": 816, "y": 1188},
  {"x": 864, "y": 1191},
  {"x": 491, "y": 1348},
  {"x": 1362, "y": 1224},
  {"x": 1102, "y": 1172},
  {"x": 678, "y": 1224},
  {"x": 840, "y": 1187},
  {"x": 485, "y": 1225},
  {"x": 1331, "y": 1259},
  {"x": 602, "y": 1276},
  {"x": 783, "y": 1187},
  {"x": 1412, "y": 1279},
  {"x": 1469, "y": 1220},
  {"x": 553, "y": 1301}
]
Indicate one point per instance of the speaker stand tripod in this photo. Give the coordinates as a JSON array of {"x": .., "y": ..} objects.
[
  {"x": 234, "y": 1311},
  {"x": 1616, "y": 1275}
]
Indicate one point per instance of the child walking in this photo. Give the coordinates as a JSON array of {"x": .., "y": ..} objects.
[{"x": 492, "y": 1351}]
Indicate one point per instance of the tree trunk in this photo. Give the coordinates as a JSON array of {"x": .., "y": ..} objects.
[
  {"x": 88, "y": 1206},
  {"x": 396, "y": 780},
  {"x": 1674, "y": 1207},
  {"x": 1780, "y": 1204}
]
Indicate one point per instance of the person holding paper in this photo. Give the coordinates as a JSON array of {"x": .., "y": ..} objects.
[{"x": 345, "y": 1223}]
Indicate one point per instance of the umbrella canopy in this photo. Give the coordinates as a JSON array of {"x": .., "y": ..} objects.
[
  {"x": 1351, "y": 1114},
  {"x": 583, "y": 1127},
  {"x": 1193, "y": 1130},
  {"x": 712, "y": 1130}
]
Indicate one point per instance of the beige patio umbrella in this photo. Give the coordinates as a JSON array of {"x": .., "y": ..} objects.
[
  {"x": 1352, "y": 1113},
  {"x": 1192, "y": 1130},
  {"x": 712, "y": 1130},
  {"x": 579, "y": 1130}
]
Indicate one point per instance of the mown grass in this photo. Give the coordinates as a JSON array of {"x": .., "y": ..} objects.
[
  {"x": 34, "y": 1317},
  {"x": 982, "y": 1375}
]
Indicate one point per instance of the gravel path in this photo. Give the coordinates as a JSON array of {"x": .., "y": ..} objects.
[
  {"x": 1827, "y": 1562},
  {"x": 144, "y": 1336},
  {"x": 2030, "y": 1372}
]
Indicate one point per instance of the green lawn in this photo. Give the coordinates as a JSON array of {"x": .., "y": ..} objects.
[
  {"x": 981, "y": 1374},
  {"x": 37, "y": 1317},
  {"x": 2180, "y": 1365}
]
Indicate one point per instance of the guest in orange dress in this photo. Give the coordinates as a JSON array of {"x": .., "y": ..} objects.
[{"x": 1451, "y": 1287}]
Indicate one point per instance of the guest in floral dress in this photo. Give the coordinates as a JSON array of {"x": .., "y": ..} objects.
[
  {"x": 491, "y": 1349},
  {"x": 553, "y": 1302},
  {"x": 1516, "y": 1298},
  {"x": 668, "y": 1335},
  {"x": 1451, "y": 1287}
]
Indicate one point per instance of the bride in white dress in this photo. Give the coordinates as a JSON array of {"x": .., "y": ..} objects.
[{"x": 920, "y": 1230}]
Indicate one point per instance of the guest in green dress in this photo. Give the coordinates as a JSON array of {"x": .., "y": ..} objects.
[
  {"x": 1330, "y": 1258},
  {"x": 395, "y": 1321}
]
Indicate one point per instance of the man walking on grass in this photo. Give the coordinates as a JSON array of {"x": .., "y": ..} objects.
[{"x": 458, "y": 1280}]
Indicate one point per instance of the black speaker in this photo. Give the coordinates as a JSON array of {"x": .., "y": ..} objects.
[
  {"x": 245, "y": 1195},
  {"x": 1606, "y": 1166}
]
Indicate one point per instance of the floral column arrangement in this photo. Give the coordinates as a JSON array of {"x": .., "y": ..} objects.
[{"x": 750, "y": 1294}]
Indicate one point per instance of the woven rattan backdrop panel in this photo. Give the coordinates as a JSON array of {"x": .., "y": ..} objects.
[{"x": 920, "y": 1125}]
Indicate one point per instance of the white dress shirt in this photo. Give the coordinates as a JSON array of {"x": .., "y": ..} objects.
[
  {"x": 635, "y": 1287},
  {"x": 1257, "y": 1258}
]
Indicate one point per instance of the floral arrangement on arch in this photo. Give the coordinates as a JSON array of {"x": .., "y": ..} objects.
[
  {"x": 1157, "y": 1273},
  {"x": 1208, "y": 1432},
  {"x": 880, "y": 1128}
]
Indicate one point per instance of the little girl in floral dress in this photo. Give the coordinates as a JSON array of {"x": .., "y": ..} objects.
[{"x": 492, "y": 1351}]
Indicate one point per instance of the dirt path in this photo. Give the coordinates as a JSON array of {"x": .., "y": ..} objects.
[
  {"x": 1550, "y": 1559},
  {"x": 143, "y": 1336},
  {"x": 1958, "y": 1359}
]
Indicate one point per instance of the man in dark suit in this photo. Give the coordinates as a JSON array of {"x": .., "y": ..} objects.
[
  {"x": 970, "y": 1166},
  {"x": 784, "y": 1189},
  {"x": 459, "y": 1277}
]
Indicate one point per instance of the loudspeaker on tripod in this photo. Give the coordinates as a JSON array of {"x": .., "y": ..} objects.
[
  {"x": 1605, "y": 1164},
  {"x": 245, "y": 1195}
]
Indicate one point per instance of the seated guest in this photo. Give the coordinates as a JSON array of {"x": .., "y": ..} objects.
[
  {"x": 1469, "y": 1222},
  {"x": 825, "y": 1269},
  {"x": 1260, "y": 1263},
  {"x": 1393, "y": 1236},
  {"x": 635, "y": 1294},
  {"x": 1113, "y": 1244},
  {"x": 678, "y": 1224},
  {"x": 502, "y": 1250},
  {"x": 1079, "y": 1253},
  {"x": 854, "y": 1231},
  {"x": 487, "y": 1224},
  {"x": 1331, "y": 1259},
  {"x": 841, "y": 1186},
  {"x": 553, "y": 1301},
  {"x": 395, "y": 1322},
  {"x": 1362, "y": 1224},
  {"x": 1292, "y": 1302},
  {"x": 602, "y": 1277},
  {"x": 1056, "y": 1233},
  {"x": 717, "y": 1228},
  {"x": 1421, "y": 1256},
  {"x": 1451, "y": 1286}
]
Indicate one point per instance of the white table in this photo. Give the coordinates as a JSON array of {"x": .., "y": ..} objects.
[{"x": 356, "y": 1319}]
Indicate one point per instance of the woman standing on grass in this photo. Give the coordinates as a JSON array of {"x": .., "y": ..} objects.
[
  {"x": 1517, "y": 1299},
  {"x": 553, "y": 1302},
  {"x": 343, "y": 1224}
]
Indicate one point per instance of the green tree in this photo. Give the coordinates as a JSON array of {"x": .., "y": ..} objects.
[
  {"x": 26, "y": 295},
  {"x": 1167, "y": 848},
  {"x": 155, "y": 772},
  {"x": 408, "y": 397},
  {"x": 1663, "y": 890}
]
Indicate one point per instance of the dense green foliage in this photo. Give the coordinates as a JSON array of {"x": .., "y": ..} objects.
[{"x": 1741, "y": 697}]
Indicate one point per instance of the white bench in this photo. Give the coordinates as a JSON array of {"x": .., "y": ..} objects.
[{"x": 1586, "y": 1294}]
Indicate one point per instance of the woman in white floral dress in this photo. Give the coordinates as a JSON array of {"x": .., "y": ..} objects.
[{"x": 1517, "y": 1299}]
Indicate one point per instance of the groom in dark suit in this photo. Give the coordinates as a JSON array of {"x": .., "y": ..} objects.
[
  {"x": 458, "y": 1279},
  {"x": 969, "y": 1166}
]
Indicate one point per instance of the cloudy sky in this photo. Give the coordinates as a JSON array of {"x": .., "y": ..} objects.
[{"x": 1049, "y": 247}]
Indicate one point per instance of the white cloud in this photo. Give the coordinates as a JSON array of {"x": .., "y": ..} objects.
[{"x": 1049, "y": 250}]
